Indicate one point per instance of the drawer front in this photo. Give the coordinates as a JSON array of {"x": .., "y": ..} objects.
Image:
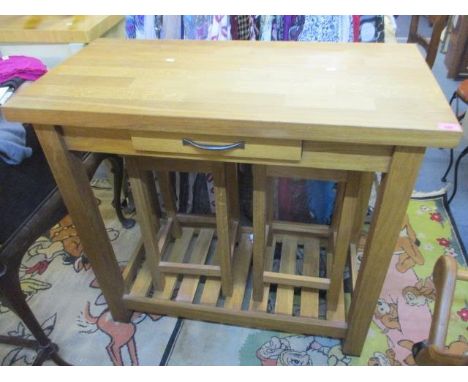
[{"x": 210, "y": 146}]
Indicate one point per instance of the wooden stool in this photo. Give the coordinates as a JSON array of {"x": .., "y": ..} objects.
[
  {"x": 350, "y": 210},
  {"x": 226, "y": 222}
]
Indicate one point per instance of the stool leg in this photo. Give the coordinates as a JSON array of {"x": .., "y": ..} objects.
[
  {"x": 269, "y": 209},
  {"x": 340, "y": 190},
  {"x": 343, "y": 238},
  {"x": 259, "y": 221},
  {"x": 365, "y": 189},
  {"x": 233, "y": 190},
  {"x": 143, "y": 188},
  {"x": 167, "y": 195},
  {"x": 223, "y": 248}
]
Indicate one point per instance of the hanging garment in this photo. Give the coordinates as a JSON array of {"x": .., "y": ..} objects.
[
  {"x": 372, "y": 29},
  {"x": 326, "y": 28},
  {"x": 266, "y": 25},
  {"x": 27, "y": 68},
  {"x": 219, "y": 28},
  {"x": 171, "y": 27},
  {"x": 196, "y": 27},
  {"x": 240, "y": 27},
  {"x": 296, "y": 27},
  {"x": 356, "y": 26},
  {"x": 13, "y": 148}
]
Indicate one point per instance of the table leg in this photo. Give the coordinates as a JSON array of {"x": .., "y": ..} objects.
[
  {"x": 71, "y": 178},
  {"x": 392, "y": 202}
]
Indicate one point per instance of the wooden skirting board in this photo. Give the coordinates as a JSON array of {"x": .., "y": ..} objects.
[{"x": 284, "y": 308}]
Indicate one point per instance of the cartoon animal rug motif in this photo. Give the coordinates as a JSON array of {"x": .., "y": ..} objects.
[{"x": 121, "y": 334}]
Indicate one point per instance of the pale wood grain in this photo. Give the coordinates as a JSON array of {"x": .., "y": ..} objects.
[
  {"x": 55, "y": 29},
  {"x": 240, "y": 272},
  {"x": 283, "y": 91},
  {"x": 189, "y": 284},
  {"x": 310, "y": 297},
  {"x": 285, "y": 294}
]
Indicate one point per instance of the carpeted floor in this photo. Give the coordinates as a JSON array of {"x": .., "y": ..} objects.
[{"x": 64, "y": 295}]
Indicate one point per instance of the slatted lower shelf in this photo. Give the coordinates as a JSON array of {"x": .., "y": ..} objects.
[{"x": 284, "y": 308}]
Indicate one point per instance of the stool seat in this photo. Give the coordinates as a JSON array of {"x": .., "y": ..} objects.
[{"x": 462, "y": 91}]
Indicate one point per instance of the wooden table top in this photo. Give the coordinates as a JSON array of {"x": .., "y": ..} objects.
[
  {"x": 363, "y": 93},
  {"x": 54, "y": 29}
]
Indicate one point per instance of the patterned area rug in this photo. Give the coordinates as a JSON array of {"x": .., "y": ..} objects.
[{"x": 63, "y": 293}]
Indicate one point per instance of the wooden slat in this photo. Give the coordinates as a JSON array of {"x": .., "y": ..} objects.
[
  {"x": 296, "y": 280},
  {"x": 189, "y": 284},
  {"x": 285, "y": 323},
  {"x": 285, "y": 294},
  {"x": 212, "y": 285},
  {"x": 194, "y": 220},
  {"x": 176, "y": 254},
  {"x": 300, "y": 228},
  {"x": 142, "y": 282},
  {"x": 310, "y": 298},
  {"x": 306, "y": 173},
  {"x": 338, "y": 314},
  {"x": 261, "y": 306},
  {"x": 240, "y": 267},
  {"x": 190, "y": 269},
  {"x": 133, "y": 264}
]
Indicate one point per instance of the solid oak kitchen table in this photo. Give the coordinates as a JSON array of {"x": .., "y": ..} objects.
[{"x": 354, "y": 108}]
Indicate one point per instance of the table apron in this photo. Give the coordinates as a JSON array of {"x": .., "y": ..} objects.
[{"x": 321, "y": 155}]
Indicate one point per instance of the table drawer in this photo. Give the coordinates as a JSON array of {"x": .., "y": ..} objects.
[{"x": 211, "y": 146}]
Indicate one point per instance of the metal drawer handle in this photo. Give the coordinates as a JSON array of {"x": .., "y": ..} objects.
[{"x": 204, "y": 146}]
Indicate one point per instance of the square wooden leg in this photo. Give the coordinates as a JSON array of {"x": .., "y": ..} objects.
[
  {"x": 143, "y": 189},
  {"x": 392, "y": 201},
  {"x": 167, "y": 195},
  {"x": 223, "y": 248},
  {"x": 71, "y": 178}
]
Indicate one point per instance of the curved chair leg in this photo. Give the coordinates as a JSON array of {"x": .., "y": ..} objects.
[
  {"x": 13, "y": 297},
  {"x": 444, "y": 177},
  {"x": 117, "y": 170},
  {"x": 455, "y": 182}
]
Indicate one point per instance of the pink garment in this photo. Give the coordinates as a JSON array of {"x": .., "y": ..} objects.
[{"x": 27, "y": 68}]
